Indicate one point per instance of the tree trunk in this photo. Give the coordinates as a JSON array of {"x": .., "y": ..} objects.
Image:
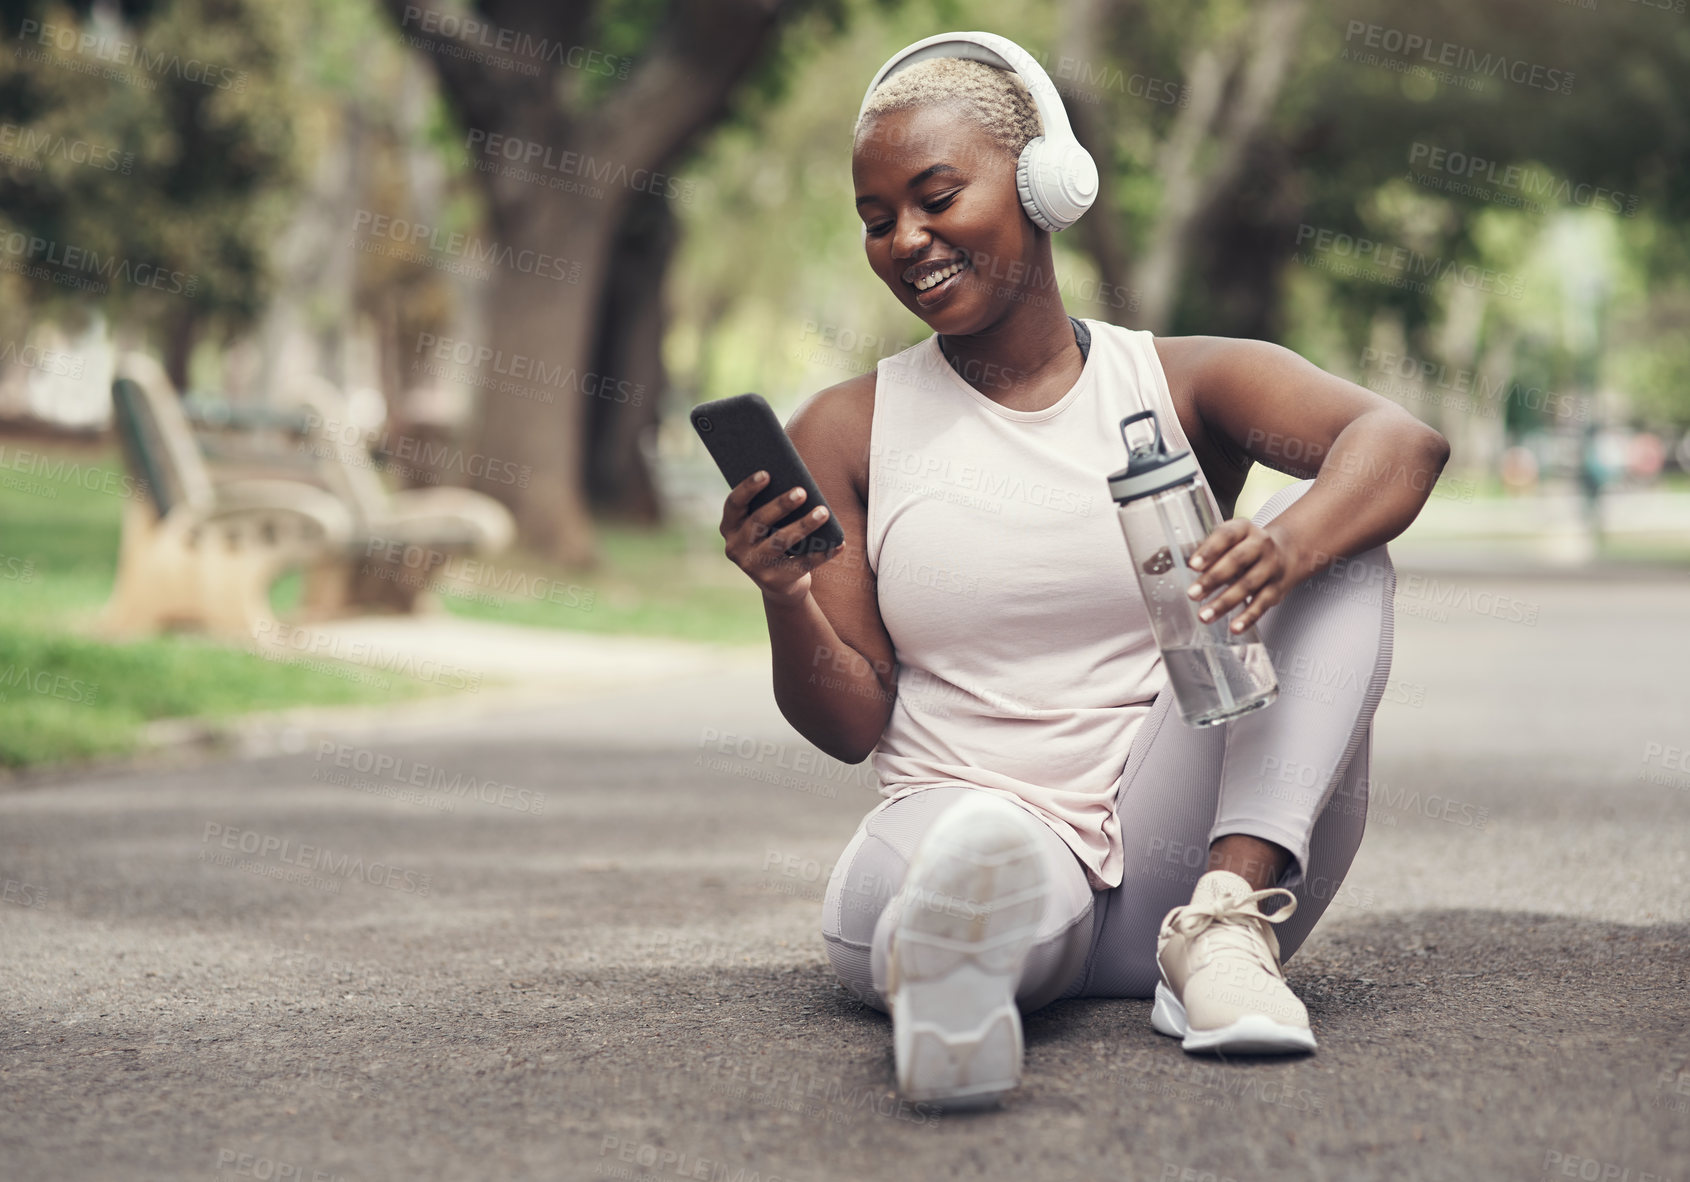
[
  {"x": 680, "y": 88},
  {"x": 1246, "y": 240},
  {"x": 630, "y": 358},
  {"x": 1102, "y": 233},
  {"x": 1231, "y": 88},
  {"x": 181, "y": 332},
  {"x": 540, "y": 329}
]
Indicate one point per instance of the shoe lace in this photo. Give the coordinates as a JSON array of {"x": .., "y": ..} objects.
[{"x": 1230, "y": 924}]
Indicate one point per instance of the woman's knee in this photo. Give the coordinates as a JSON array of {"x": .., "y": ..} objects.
[
  {"x": 1280, "y": 501},
  {"x": 863, "y": 881},
  {"x": 1331, "y": 640},
  {"x": 854, "y": 968},
  {"x": 1368, "y": 577},
  {"x": 1346, "y": 598}
]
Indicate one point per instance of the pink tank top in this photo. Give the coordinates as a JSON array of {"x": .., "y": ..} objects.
[{"x": 1026, "y": 661}]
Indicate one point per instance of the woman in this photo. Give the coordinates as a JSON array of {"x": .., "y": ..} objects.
[{"x": 1049, "y": 831}]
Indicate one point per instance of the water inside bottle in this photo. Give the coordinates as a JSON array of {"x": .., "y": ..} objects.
[{"x": 1217, "y": 682}]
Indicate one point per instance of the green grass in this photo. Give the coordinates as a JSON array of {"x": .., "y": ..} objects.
[
  {"x": 669, "y": 582},
  {"x": 1664, "y": 550},
  {"x": 65, "y": 696}
]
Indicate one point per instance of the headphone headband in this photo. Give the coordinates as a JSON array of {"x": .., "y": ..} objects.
[
  {"x": 993, "y": 50},
  {"x": 1055, "y": 176}
]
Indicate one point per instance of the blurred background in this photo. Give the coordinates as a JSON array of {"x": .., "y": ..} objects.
[{"x": 406, "y": 303}]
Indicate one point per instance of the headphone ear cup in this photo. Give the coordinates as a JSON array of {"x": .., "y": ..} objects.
[
  {"x": 1078, "y": 173},
  {"x": 1057, "y": 182},
  {"x": 1028, "y": 183}
]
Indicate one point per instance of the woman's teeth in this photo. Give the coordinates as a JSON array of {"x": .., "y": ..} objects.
[{"x": 937, "y": 277}]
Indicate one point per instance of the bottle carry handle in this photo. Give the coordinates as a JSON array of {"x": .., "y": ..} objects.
[{"x": 1160, "y": 447}]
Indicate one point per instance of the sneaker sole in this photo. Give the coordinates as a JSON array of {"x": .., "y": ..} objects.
[
  {"x": 1253, "y": 1034},
  {"x": 976, "y": 893}
]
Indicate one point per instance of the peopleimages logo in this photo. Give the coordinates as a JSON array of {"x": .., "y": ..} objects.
[
  {"x": 1422, "y": 595},
  {"x": 1525, "y": 182},
  {"x": 52, "y": 362},
  {"x": 315, "y": 858},
  {"x": 48, "y": 684},
  {"x": 659, "y": 1162},
  {"x": 1449, "y": 55},
  {"x": 58, "y": 470},
  {"x": 890, "y": 463},
  {"x": 1673, "y": 764},
  {"x": 431, "y": 777},
  {"x": 270, "y": 1169},
  {"x": 21, "y": 570},
  {"x": 1469, "y": 390},
  {"x": 469, "y": 32},
  {"x": 70, "y": 39},
  {"x": 524, "y": 371},
  {"x": 457, "y": 245},
  {"x": 77, "y": 262},
  {"x": 271, "y": 637},
  {"x": 1397, "y": 265},
  {"x": 1085, "y": 81},
  {"x": 32, "y": 145},
  {"x": 548, "y": 158},
  {"x": 433, "y": 458}
]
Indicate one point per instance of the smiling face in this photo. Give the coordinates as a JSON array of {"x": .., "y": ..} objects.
[{"x": 943, "y": 225}]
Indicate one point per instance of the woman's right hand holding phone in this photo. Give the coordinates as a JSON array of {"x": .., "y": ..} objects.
[{"x": 758, "y": 549}]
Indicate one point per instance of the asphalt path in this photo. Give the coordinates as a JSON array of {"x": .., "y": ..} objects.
[{"x": 579, "y": 939}]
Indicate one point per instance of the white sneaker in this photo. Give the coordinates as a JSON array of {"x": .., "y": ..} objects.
[
  {"x": 971, "y": 906},
  {"x": 1222, "y": 988}
]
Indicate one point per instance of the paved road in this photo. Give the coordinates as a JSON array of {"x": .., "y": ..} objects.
[{"x": 624, "y": 978}]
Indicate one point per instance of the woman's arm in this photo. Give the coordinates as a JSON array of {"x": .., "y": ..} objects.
[
  {"x": 834, "y": 670},
  {"x": 1373, "y": 463}
]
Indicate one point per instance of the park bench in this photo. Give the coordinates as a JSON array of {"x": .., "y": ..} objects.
[
  {"x": 194, "y": 553},
  {"x": 400, "y": 539}
]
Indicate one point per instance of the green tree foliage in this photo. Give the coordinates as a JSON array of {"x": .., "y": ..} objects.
[
  {"x": 150, "y": 154},
  {"x": 1488, "y": 167}
]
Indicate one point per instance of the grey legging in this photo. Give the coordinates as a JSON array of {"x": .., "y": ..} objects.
[{"x": 1294, "y": 774}]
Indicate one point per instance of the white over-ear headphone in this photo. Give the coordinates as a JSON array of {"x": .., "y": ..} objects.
[{"x": 1056, "y": 177}]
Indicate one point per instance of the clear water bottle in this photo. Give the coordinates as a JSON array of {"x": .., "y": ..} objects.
[{"x": 1166, "y": 512}]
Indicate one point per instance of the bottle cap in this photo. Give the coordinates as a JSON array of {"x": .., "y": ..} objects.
[{"x": 1151, "y": 468}]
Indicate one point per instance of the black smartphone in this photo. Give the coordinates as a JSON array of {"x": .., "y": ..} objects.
[{"x": 743, "y": 434}]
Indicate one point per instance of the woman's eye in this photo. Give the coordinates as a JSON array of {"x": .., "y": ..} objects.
[{"x": 931, "y": 205}]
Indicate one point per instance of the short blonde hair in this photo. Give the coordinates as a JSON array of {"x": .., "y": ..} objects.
[{"x": 995, "y": 99}]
